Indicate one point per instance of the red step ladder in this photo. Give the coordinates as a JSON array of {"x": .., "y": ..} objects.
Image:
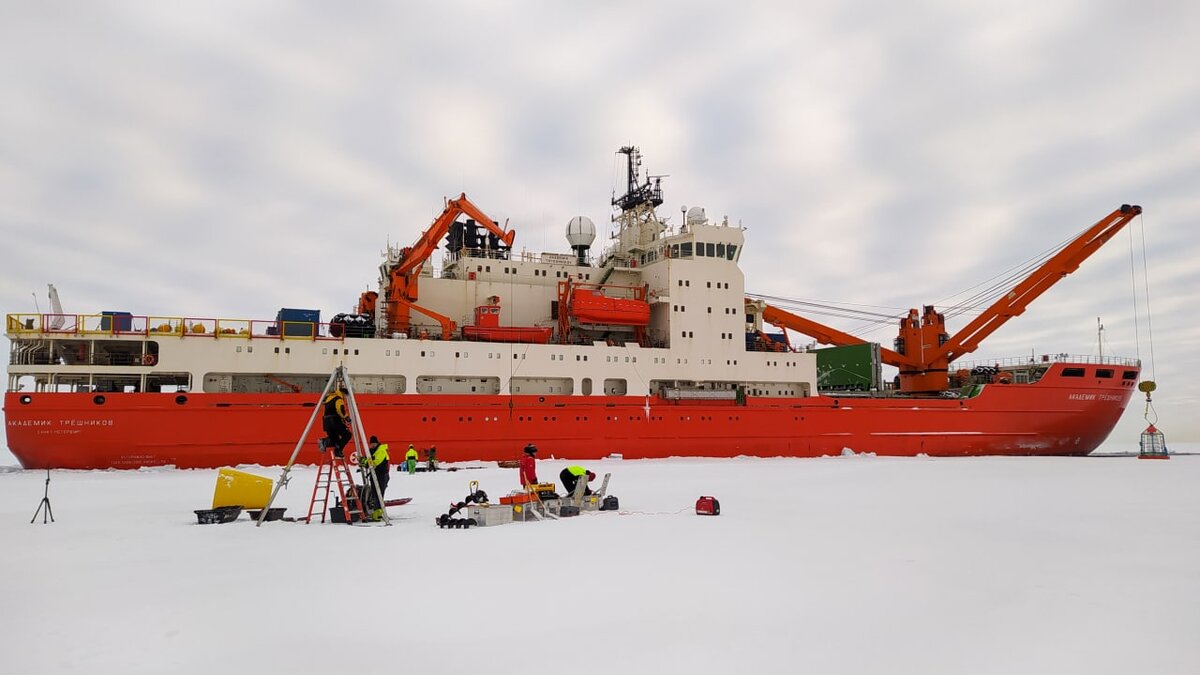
[{"x": 333, "y": 471}]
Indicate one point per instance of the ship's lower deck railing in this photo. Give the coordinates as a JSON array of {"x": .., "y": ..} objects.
[{"x": 1044, "y": 360}]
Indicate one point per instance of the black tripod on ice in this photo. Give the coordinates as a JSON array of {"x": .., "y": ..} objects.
[{"x": 45, "y": 504}]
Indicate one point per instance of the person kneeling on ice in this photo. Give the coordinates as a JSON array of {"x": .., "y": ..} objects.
[
  {"x": 528, "y": 465},
  {"x": 410, "y": 459},
  {"x": 570, "y": 478},
  {"x": 378, "y": 462}
]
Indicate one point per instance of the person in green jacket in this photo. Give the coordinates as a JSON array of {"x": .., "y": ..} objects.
[{"x": 410, "y": 459}]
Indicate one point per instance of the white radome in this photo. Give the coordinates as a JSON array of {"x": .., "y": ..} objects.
[
  {"x": 581, "y": 231},
  {"x": 696, "y": 216}
]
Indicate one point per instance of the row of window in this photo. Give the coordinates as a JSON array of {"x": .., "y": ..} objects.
[
  {"x": 704, "y": 249},
  {"x": 1105, "y": 373},
  {"x": 558, "y": 274},
  {"x": 633, "y": 359},
  {"x": 688, "y": 283},
  {"x": 701, "y": 249}
]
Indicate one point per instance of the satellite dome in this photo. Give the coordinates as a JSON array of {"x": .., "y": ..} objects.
[
  {"x": 581, "y": 232},
  {"x": 695, "y": 216}
]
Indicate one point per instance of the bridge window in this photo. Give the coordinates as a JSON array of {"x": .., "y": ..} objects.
[
  {"x": 1072, "y": 372},
  {"x": 720, "y": 250},
  {"x": 1104, "y": 372},
  {"x": 1129, "y": 375}
]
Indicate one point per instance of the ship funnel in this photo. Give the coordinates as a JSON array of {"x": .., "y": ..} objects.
[{"x": 581, "y": 232}]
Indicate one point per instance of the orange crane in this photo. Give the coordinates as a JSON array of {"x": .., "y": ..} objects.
[
  {"x": 401, "y": 276},
  {"x": 924, "y": 350}
]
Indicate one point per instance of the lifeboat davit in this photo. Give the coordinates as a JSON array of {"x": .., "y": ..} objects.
[
  {"x": 487, "y": 327},
  {"x": 589, "y": 306}
]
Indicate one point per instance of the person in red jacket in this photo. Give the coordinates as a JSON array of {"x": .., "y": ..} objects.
[{"x": 529, "y": 466}]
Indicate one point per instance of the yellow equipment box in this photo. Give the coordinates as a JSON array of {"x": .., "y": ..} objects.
[
  {"x": 540, "y": 487},
  {"x": 238, "y": 488}
]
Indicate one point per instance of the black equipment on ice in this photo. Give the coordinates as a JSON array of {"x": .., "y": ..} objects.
[{"x": 45, "y": 504}]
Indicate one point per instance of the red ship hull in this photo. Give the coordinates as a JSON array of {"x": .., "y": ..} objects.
[{"x": 1054, "y": 416}]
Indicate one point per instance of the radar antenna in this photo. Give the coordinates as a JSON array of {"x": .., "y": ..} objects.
[{"x": 649, "y": 192}]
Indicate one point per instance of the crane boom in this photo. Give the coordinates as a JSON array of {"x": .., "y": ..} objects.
[
  {"x": 924, "y": 350},
  {"x": 825, "y": 334},
  {"x": 1018, "y": 299},
  {"x": 413, "y": 257},
  {"x": 400, "y": 278}
]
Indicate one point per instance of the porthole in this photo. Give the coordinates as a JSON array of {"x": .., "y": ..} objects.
[
  {"x": 181, "y": 399},
  {"x": 98, "y": 400},
  {"x": 25, "y": 399}
]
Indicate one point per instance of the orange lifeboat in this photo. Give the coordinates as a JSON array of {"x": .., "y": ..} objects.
[
  {"x": 487, "y": 327},
  {"x": 588, "y": 306}
]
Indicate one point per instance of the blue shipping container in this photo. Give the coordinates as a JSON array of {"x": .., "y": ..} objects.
[
  {"x": 300, "y": 322},
  {"x": 124, "y": 321}
]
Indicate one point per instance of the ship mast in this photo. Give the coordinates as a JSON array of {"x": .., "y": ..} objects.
[{"x": 637, "y": 223}]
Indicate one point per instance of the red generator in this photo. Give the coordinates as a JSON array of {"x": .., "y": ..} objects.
[{"x": 708, "y": 506}]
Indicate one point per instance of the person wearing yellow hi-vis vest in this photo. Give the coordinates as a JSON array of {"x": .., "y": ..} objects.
[
  {"x": 570, "y": 478},
  {"x": 379, "y": 465},
  {"x": 410, "y": 459}
]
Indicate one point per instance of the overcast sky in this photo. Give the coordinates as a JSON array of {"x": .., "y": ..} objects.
[{"x": 231, "y": 158}]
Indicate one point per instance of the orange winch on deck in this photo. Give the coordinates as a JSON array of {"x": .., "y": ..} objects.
[{"x": 924, "y": 350}]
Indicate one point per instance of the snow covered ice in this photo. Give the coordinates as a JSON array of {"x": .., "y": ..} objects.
[{"x": 830, "y": 565}]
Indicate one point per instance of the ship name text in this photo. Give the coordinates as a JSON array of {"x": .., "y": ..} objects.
[
  {"x": 61, "y": 423},
  {"x": 1094, "y": 397}
]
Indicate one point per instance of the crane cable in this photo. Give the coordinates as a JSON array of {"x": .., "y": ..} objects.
[
  {"x": 996, "y": 287},
  {"x": 1146, "y": 386}
]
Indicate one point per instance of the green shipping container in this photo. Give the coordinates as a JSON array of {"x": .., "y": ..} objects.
[{"x": 849, "y": 368}]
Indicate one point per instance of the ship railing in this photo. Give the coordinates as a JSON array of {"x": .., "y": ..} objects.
[
  {"x": 128, "y": 324},
  {"x": 105, "y": 324},
  {"x": 1045, "y": 359},
  {"x": 165, "y": 325}
]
